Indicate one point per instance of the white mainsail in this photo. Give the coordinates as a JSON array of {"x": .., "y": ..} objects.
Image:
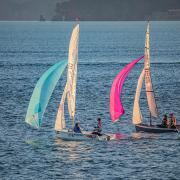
[
  {"x": 60, "y": 120},
  {"x": 148, "y": 83},
  {"x": 137, "y": 116},
  {"x": 70, "y": 88},
  {"x": 72, "y": 71}
]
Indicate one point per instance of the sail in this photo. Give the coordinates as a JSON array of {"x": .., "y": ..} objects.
[
  {"x": 137, "y": 116},
  {"x": 70, "y": 88},
  {"x": 60, "y": 120},
  {"x": 42, "y": 93},
  {"x": 148, "y": 82},
  {"x": 72, "y": 71},
  {"x": 116, "y": 107},
  {"x": 73, "y": 99}
]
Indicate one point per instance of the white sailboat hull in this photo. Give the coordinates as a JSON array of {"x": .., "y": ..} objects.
[{"x": 69, "y": 135}]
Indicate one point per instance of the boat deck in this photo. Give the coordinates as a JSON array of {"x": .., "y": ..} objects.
[{"x": 155, "y": 128}]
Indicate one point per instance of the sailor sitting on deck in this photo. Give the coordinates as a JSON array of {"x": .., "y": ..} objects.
[
  {"x": 97, "y": 130},
  {"x": 77, "y": 128},
  {"x": 164, "y": 123},
  {"x": 172, "y": 121}
]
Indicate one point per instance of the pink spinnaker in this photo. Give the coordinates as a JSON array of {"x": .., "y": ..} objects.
[{"x": 116, "y": 107}]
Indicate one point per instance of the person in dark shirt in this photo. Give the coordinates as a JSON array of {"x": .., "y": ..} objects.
[
  {"x": 97, "y": 130},
  {"x": 99, "y": 125},
  {"x": 164, "y": 123},
  {"x": 77, "y": 128},
  {"x": 172, "y": 121}
]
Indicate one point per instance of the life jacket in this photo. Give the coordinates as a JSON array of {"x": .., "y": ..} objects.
[
  {"x": 172, "y": 121},
  {"x": 77, "y": 129}
]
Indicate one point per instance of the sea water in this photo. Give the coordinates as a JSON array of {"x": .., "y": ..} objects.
[{"x": 27, "y": 49}]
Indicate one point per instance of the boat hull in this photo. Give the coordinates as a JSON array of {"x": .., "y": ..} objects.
[
  {"x": 153, "y": 129},
  {"x": 67, "y": 135}
]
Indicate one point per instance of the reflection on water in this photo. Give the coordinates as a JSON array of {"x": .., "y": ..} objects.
[
  {"x": 69, "y": 147},
  {"x": 75, "y": 149},
  {"x": 34, "y": 142},
  {"x": 137, "y": 136}
]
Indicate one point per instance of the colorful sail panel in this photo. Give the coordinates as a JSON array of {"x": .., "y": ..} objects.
[
  {"x": 60, "y": 119},
  {"x": 137, "y": 116},
  {"x": 116, "y": 107},
  {"x": 42, "y": 93},
  {"x": 148, "y": 82},
  {"x": 72, "y": 71}
]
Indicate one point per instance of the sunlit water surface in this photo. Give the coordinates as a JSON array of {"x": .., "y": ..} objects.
[{"x": 27, "y": 49}]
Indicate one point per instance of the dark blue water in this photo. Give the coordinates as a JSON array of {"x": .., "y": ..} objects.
[{"x": 27, "y": 49}]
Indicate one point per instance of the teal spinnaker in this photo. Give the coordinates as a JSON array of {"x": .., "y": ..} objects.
[{"x": 42, "y": 93}]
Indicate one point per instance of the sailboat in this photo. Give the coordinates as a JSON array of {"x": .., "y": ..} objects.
[
  {"x": 146, "y": 75},
  {"x": 44, "y": 89},
  {"x": 116, "y": 106},
  {"x": 69, "y": 93}
]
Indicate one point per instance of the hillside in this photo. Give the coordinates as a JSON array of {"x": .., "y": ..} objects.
[{"x": 90, "y": 10}]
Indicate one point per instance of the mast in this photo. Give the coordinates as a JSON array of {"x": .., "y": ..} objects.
[
  {"x": 150, "y": 119},
  {"x": 148, "y": 82}
]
